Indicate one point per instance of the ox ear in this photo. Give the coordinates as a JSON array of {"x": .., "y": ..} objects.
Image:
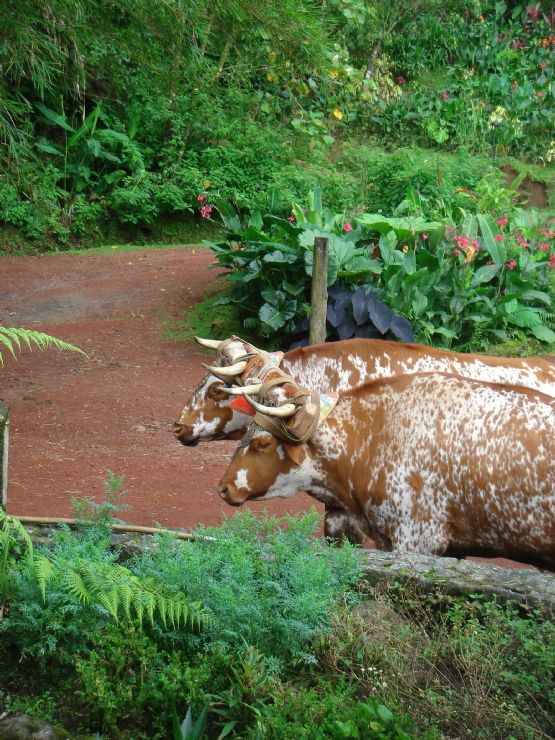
[{"x": 294, "y": 452}]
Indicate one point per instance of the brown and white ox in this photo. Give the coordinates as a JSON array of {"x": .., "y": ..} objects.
[
  {"x": 432, "y": 463},
  {"x": 210, "y": 414}
]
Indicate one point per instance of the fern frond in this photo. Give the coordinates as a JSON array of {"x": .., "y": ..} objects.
[
  {"x": 44, "y": 573},
  {"x": 11, "y": 338}
]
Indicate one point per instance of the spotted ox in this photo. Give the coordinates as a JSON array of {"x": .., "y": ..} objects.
[
  {"x": 210, "y": 413},
  {"x": 432, "y": 463}
]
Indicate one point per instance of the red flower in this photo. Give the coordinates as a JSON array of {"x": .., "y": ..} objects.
[
  {"x": 444, "y": 95},
  {"x": 543, "y": 247},
  {"x": 291, "y": 218},
  {"x": 502, "y": 221},
  {"x": 515, "y": 85},
  {"x": 511, "y": 264},
  {"x": 542, "y": 65},
  {"x": 401, "y": 80},
  {"x": 539, "y": 94},
  {"x": 347, "y": 227},
  {"x": 201, "y": 197},
  {"x": 448, "y": 228},
  {"x": 499, "y": 237},
  {"x": 424, "y": 236},
  {"x": 456, "y": 252},
  {"x": 206, "y": 210}
]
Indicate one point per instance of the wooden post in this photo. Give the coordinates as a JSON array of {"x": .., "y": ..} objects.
[
  {"x": 319, "y": 294},
  {"x": 4, "y": 435}
]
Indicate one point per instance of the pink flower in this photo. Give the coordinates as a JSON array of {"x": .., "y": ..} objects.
[
  {"x": 444, "y": 95},
  {"x": 550, "y": 233},
  {"x": 542, "y": 65},
  {"x": 424, "y": 236},
  {"x": 499, "y": 237},
  {"x": 201, "y": 197},
  {"x": 511, "y": 264},
  {"x": 544, "y": 247},
  {"x": 448, "y": 229},
  {"x": 401, "y": 80},
  {"x": 347, "y": 227},
  {"x": 502, "y": 221},
  {"x": 291, "y": 218},
  {"x": 206, "y": 211},
  {"x": 456, "y": 252}
]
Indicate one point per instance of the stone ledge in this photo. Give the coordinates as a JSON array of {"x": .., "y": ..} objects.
[
  {"x": 527, "y": 587},
  {"x": 458, "y": 577}
]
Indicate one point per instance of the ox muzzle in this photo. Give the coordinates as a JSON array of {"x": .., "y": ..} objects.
[{"x": 184, "y": 434}]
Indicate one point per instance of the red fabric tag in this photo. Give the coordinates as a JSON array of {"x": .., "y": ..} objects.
[{"x": 241, "y": 405}]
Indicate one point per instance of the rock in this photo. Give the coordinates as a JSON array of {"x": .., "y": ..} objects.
[
  {"x": 528, "y": 587},
  {"x": 24, "y": 727}
]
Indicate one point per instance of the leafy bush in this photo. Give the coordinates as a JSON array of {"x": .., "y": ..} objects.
[
  {"x": 270, "y": 259},
  {"x": 467, "y": 286},
  {"x": 481, "y": 283},
  {"x": 270, "y": 585}
]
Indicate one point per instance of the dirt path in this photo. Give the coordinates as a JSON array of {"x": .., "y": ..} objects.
[{"x": 73, "y": 418}]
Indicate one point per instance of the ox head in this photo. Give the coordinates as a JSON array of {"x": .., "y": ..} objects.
[
  {"x": 274, "y": 458},
  {"x": 211, "y": 412}
]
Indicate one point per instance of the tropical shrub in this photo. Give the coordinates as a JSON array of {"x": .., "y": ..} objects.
[
  {"x": 269, "y": 259},
  {"x": 479, "y": 283},
  {"x": 459, "y": 286}
]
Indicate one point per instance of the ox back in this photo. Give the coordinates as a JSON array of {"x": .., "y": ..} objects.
[{"x": 438, "y": 464}]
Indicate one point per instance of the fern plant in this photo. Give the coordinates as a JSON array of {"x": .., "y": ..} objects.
[
  {"x": 12, "y": 534},
  {"x": 12, "y": 338},
  {"x": 116, "y": 589}
]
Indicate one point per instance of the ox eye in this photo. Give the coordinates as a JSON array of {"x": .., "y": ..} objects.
[
  {"x": 216, "y": 394},
  {"x": 263, "y": 444}
]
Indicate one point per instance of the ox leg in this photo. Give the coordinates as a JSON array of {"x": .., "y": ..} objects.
[{"x": 339, "y": 524}]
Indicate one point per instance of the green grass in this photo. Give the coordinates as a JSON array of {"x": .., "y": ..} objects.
[{"x": 206, "y": 319}]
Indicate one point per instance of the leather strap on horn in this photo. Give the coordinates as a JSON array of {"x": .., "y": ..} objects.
[{"x": 297, "y": 428}]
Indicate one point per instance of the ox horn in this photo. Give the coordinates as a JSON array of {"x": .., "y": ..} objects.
[
  {"x": 242, "y": 390},
  {"x": 288, "y": 409},
  {"x": 227, "y": 371},
  {"x": 210, "y": 343}
]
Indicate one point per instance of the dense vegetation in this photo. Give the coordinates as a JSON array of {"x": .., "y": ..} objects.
[
  {"x": 277, "y": 639},
  {"x": 116, "y": 116}
]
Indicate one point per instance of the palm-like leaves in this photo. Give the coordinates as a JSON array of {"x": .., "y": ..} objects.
[
  {"x": 118, "y": 591},
  {"x": 14, "y": 338}
]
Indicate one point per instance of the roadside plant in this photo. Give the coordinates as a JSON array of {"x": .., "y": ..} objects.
[
  {"x": 481, "y": 282},
  {"x": 269, "y": 258}
]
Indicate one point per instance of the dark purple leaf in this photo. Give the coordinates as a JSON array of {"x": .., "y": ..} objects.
[
  {"x": 361, "y": 332},
  {"x": 380, "y": 314},
  {"x": 402, "y": 328},
  {"x": 360, "y": 310},
  {"x": 347, "y": 328},
  {"x": 335, "y": 315}
]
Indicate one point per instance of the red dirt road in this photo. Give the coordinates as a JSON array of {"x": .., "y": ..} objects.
[{"x": 73, "y": 418}]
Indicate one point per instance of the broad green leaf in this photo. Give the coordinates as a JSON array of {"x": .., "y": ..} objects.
[
  {"x": 485, "y": 274},
  {"x": 489, "y": 230},
  {"x": 525, "y": 317},
  {"x": 543, "y": 333},
  {"x": 255, "y": 221},
  {"x": 54, "y": 117},
  {"x": 470, "y": 226},
  {"x": 44, "y": 145},
  {"x": 537, "y": 295},
  {"x": 419, "y": 304}
]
